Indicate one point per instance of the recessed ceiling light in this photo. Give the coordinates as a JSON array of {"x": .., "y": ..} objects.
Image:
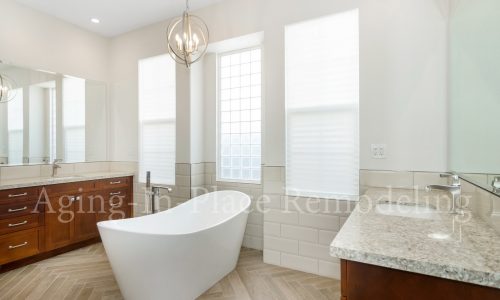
[{"x": 95, "y": 20}]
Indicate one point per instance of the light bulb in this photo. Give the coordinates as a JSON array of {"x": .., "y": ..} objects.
[
  {"x": 196, "y": 41},
  {"x": 179, "y": 42}
]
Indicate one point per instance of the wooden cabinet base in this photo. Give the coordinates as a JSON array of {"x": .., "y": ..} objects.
[
  {"x": 40, "y": 222},
  {"x": 368, "y": 282},
  {"x": 45, "y": 255}
]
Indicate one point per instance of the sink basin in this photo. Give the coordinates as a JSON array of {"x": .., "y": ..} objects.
[
  {"x": 408, "y": 210},
  {"x": 62, "y": 177}
]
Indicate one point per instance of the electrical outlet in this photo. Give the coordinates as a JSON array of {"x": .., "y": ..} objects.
[{"x": 378, "y": 151}]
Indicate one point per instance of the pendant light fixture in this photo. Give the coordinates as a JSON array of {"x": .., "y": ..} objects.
[
  {"x": 187, "y": 38},
  {"x": 7, "y": 90}
]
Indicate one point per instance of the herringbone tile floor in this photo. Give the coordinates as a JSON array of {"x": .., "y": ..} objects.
[{"x": 86, "y": 274}]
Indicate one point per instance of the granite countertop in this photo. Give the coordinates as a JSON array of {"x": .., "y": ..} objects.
[
  {"x": 39, "y": 181},
  {"x": 462, "y": 248}
]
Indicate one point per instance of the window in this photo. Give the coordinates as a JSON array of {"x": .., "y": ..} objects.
[
  {"x": 239, "y": 116},
  {"x": 322, "y": 155},
  {"x": 157, "y": 119},
  {"x": 52, "y": 124},
  {"x": 15, "y": 128},
  {"x": 74, "y": 119}
]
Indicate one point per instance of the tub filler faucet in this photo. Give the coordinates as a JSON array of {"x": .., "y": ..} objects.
[
  {"x": 455, "y": 189},
  {"x": 154, "y": 191}
]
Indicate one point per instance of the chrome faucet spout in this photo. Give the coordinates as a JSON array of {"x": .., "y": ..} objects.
[
  {"x": 55, "y": 166},
  {"x": 455, "y": 189},
  {"x": 446, "y": 188}
]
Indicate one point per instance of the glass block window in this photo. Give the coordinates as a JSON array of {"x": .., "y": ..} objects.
[{"x": 239, "y": 116}]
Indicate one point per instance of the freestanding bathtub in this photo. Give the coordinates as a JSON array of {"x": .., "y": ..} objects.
[{"x": 179, "y": 253}]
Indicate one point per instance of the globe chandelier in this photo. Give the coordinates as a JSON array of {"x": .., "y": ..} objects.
[
  {"x": 7, "y": 90},
  {"x": 187, "y": 38}
]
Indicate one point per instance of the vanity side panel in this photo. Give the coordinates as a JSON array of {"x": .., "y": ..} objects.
[{"x": 363, "y": 281}]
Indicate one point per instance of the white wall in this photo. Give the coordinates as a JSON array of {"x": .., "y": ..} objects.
[
  {"x": 403, "y": 76},
  {"x": 32, "y": 39},
  {"x": 403, "y": 84},
  {"x": 403, "y": 71},
  {"x": 197, "y": 113}
]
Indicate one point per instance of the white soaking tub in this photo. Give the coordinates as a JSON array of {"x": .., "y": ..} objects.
[{"x": 179, "y": 253}]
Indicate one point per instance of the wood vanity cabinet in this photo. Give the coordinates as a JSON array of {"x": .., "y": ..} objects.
[
  {"x": 39, "y": 222},
  {"x": 361, "y": 281},
  {"x": 21, "y": 221},
  {"x": 65, "y": 219}
]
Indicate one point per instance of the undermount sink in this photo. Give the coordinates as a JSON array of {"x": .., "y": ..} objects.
[
  {"x": 408, "y": 210},
  {"x": 62, "y": 177}
]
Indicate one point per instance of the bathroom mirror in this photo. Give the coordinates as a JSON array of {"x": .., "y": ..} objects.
[
  {"x": 52, "y": 116},
  {"x": 475, "y": 92}
]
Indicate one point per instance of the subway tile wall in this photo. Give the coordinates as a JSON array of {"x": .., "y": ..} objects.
[
  {"x": 254, "y": 232},
  {"x": 298, "y": 231}
]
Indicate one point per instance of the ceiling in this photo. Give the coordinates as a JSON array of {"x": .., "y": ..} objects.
[{"x": 116, "y": 16}]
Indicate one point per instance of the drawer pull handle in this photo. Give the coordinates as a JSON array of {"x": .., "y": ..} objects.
[
  {"x": 115, "y": 194},
  {"x": 115, "y": 182},
  {"x": 17, "y": 209},
  {"x": 115, "y": 204},
  {"x": 18, "y": 195},
  {"x": 73, "y": 199},
  {"x": 18, "y": 224},
  {"x": 18, "y": 246}
]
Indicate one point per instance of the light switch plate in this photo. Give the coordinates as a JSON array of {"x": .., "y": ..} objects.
[{"x": 379, "y": 151}]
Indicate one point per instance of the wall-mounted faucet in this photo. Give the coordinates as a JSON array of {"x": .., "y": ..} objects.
[
  {"x": 455, "y": 189},
  {"x": 55, "y": 166}
]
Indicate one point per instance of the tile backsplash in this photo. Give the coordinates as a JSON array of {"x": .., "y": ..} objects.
[
  {"x": 43, "y": 170},
  {"x": 482, "y": 203}
]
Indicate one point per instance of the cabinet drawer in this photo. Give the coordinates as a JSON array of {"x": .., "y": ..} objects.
[
  {"x": 22, "y": 194},
  {"x": 19, "y": 209},
  {"x": 115, "y": 205},
  {"x": 19, "y": 223},
  {"x": 18, "y": 245},
  {"x": 69, "y": 188},
  {"x": 113, "y": 183}
]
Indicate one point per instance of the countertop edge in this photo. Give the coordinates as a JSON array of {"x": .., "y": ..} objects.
[
  {"x": 63, "y": 180},
  {"x": 491, "y": 280}
]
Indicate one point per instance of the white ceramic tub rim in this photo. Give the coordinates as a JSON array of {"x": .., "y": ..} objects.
[{"x": 108, "y": 224}]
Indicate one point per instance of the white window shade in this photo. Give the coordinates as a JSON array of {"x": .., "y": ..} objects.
[
  {"x": 74, "y": 119},
  {"x": 157, "y": 115},
  {"x": 15, "y": 128},
  {"x": 322, "y": 118},
  {"x": 52, "y": 125}
]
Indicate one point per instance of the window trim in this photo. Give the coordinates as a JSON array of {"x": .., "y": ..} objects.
[{"x": 218, "y": 164}]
